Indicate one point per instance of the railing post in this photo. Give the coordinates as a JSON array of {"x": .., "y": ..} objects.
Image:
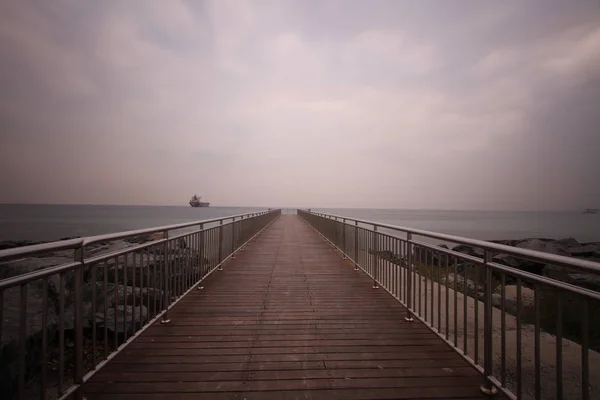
[
  {"x": 487, "y": 388},
  {"x": 233, "y": 239},
  {"x": 79, "y": 257},
  {"x": 165, "y": 317},
  {"x": 333, "y": 237},
  {"x": 21, "y": 355},
  {"x": 241, "y": 237},
  {"x": 409, "y": 278},
  {"x": 356, "y": 245},
  {"x": 220, "y": 268},
  {"x": 344, "y": 239},
  {"x": 375, "y": 257},
  {"x": 250, "y": 226},
  {"x": 201, "y": 252}
]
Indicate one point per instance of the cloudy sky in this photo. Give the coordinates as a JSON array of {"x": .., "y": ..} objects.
[{"x": 393, "y": 104}]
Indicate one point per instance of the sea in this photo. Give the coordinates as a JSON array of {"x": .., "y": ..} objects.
[{"x": 38, "y": 222}]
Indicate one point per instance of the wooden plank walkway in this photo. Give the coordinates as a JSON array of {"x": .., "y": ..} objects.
[{"x": 289, "y": 319}]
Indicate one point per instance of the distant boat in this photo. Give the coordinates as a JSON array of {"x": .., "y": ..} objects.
[
  {"x": 591, "y": 211},
  {"x": 195, "y": 202}
]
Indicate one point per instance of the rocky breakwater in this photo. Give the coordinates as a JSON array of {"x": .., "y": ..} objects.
[
  {"x": 469, "y": 279},
  {"x": 569, "y": 247},
  {"x": 472, "y": 283},
  {"x": 127, "y": 291},
  {"x": 565, "y": 247}
]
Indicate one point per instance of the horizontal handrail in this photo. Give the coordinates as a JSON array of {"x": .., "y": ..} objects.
[
  {"x": 583, "y": 265},
  {"x": 70, "y": 244}
]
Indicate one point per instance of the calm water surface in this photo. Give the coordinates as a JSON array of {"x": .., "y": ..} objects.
[
  {"x": 487, "y": 225},
  {"x": 50, "y": 222}
]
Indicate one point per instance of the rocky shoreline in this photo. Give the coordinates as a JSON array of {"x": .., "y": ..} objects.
[
  {"x": 127, "y": 291},
  {"x": 469, "y": 278},
  {"x": 568, "y": 247}
]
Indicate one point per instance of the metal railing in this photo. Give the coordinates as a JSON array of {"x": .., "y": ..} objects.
[
  {"x": 529, "y": 335},
  {"x": 59, "y": 325}
]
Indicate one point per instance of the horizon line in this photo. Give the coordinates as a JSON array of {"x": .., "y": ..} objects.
[{"x": 294, "y": 207}]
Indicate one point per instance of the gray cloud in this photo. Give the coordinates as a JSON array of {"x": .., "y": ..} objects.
[{"x": 457, "y": 104}]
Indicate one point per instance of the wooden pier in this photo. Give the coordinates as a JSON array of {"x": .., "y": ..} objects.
[{"x": 287, "y": 319}]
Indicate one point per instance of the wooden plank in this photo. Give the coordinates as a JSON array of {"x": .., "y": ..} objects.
[
  {"x": 277, "y": 384},
  {"x": 287, "y": 319},
  {"x": 276, "y": 373},
  {"x": 257, "y": 342},
  {"x": 205, "y": 342},
  {"x": 462, "y": 393},
  {"x": 167, "y": 369},
  {"x": 146, "y": 342},
  {"x": 300, "y": 348}
]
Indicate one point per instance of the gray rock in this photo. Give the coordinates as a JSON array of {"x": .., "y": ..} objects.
[
  {"x": 69, "y": 316},
  {"x": 472, "y": 251},
  {"x": 108, "y": 247},
  {"x": 568, "y": 242},
  {"x": 13, "y": 244},
  {"x": 388, "y": 255},
  {"x": 594, "y": 243},
  {"x": 116, "y": 295},
  {"x": 468, "y": 266},
  {"x": 133, "y": 268},
  {"x": 428, "y": 256},
  {"x": 9, "y": 347},
  {"x": 124, "y": 318},
  {"x": 574, "y": 277},
  {"x": 181, "y": 243},
  {"x": 506, "y": 242},
  {"x": 511, "y": 299},
  {"x": 12, "y": 307},
  {"x": 587, "y": 250},
  {"x": 543, "y": 245},
  {"x": 30, "y": 264},
  {"x": 151, "y": 237},
  {"x": 508, "y": 260},
  {"x": 465, "y": 286},
  {"x": 497, "y": 300}
]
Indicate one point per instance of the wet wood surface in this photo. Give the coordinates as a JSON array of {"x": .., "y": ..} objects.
[{"x": 288, "y": 319}]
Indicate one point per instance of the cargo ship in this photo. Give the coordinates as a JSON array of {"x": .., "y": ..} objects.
[{"x": 195, "y": 202}]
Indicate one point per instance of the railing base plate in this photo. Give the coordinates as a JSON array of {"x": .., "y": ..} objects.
[{"x": 489, "y": 391}]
